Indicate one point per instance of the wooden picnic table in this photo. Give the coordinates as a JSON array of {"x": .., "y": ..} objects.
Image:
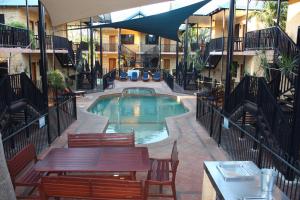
[{"x": 103, "y": 159}]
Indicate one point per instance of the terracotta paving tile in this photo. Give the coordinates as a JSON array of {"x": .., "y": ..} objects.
[{"x": 194, "y": 143}]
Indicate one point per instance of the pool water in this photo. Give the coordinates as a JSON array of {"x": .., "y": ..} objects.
[
  {"x": 143, "y": 113},
  {"x": 138, "y": 91}
]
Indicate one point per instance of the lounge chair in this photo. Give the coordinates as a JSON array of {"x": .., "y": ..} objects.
[
  {"x": 145, "y": 76},
  {"x": 123, "y": 76},
  {"x": 134, "y": 76},
  {"x": 156, "y": 76}
]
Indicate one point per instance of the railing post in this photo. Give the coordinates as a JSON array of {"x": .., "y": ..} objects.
[
  {"x": 259, "y": 35},
  {"x": 57, "y": 113},
  {"x": 220, "y": 132},
  {"x": 211, "y": 120},
  {"x": 259, "y": 161},
  {"x": 74, "y": 107}
]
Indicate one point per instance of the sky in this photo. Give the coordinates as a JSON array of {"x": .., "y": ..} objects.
[{"x": 167, "y": 6}]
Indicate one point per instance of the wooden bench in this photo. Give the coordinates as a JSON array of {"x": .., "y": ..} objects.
[
  {"x": 101, "y": 140},
  {"x": 90, "y": 188},
  {"x": 21, "y": 168}
]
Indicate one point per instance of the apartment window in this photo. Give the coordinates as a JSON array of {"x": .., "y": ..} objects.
[
  {"x": 151, "y": 39},
  {"x": 127, "y": 39},
  {"x": 2, "y": 19}
]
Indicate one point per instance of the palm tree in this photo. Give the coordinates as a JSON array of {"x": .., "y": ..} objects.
[
  {"x": 6, "y": 188},
  {"x": 268, "y": 14}
]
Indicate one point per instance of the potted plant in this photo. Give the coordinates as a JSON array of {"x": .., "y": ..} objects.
[{"x": 56, "y": 81}]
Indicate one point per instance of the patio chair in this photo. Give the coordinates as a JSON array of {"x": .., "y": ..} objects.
[
  {"x": 134, "y": 76},
  {"x": 159, "y": 174},
  {"x": 123, "y": 76},
  {"x": 21, "y": 169},
  {"x": 156, "y": 76},
  {"x": 145, "y": 76}
]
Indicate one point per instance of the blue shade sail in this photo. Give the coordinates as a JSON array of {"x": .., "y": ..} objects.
[{"x": 165, "y": 25}]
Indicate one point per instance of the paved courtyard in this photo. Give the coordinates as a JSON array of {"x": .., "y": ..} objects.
[{"x": 194, "y": 143}]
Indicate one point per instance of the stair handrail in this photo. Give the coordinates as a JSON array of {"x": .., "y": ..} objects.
[
  {"x": 3, "y": 90},
  {"x": 32, "y": 94},
  {"x": 238, "y": 96},
  {"x": 273, "y": 114}
]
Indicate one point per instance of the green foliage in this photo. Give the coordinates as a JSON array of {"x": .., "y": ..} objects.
[
  {"x": 17, "y": 24},
  {"x": 21, "y": 25},
  {"x": 264, "y": 64},
  {"x": 204, "y": 35},
  {"x": 287, "y": 63},
  {"x": 56, "y": 79},
  {"x": 198, "y": 61},
  {"x": 269, "y": 14}
]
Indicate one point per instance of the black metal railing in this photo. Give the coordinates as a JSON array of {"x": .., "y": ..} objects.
[
  {"x": 284, "y": 82},
  {"x": 216, "y": 44},
  {"x": 241, "y": 145},
  {"x": 238, "y": 95},
  {"x": 260, "y": 39},
  {"x": 62, "y": 116},
  {"x": 38, "y": 131},
  {"x": 169, "y": 79},
  {"x": 257, "y": 91},
  {"x": 271, "y": 38},
  {"x": 108, "y": 47},
  {"x": 48, "y": 41},
  {"x": 278, "y": 123},
  {"x": 170, "y": 48},
  {"x": 13, "y": 37},
  {"x": 109, "y": 78},
  {"x": 20, "y": 87}
]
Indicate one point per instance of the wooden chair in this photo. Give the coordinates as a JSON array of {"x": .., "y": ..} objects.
[
  {"x": 101, "y": 140},
  {"x": 159, "y": 174},
  {"x": 90, "y": 188},
  {"x": 21, "y": 168}
]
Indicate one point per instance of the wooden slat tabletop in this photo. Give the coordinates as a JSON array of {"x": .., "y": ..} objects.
[{"x": 103, "y": 159}]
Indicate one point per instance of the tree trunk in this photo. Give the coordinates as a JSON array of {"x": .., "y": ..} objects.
[{"x": 6, "y": 188}]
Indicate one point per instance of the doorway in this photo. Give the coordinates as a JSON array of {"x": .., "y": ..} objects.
[
  {"x": 112, "y": 63},
  {"x": 33, "y": 71},
  {"x": 167, "y": 64},
  {"x": 112, "y": 43},
  {"x": 167, "y": 47}
]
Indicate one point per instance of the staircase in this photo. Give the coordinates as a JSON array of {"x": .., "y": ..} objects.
[
  {"x": 210, "y": 60},
  {"x": 254, "y": 96},
  {"x": 128, "y": 55},
  {"x": 20, "y": 102},
  {"x": 66, "y": 60},
  {"x": 150, "y": 59}
]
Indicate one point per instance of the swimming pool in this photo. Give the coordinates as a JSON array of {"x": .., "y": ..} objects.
[{"x": 144, "y": 113}]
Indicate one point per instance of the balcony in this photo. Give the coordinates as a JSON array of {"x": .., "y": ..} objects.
[
  {"x": 11, "y": 37},
  {"x": 216, "y": 44}
]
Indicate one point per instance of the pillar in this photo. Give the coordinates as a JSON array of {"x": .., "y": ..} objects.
[{"x": 229, "y": 51}]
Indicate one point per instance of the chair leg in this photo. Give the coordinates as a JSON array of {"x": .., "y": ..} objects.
[
  {"x": 174, "y": 191},
  {"x": 146, "y": 190},
  {"x": 160, "y": 189}
]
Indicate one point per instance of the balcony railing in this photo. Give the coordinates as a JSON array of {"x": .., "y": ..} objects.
[
  {"x": 13, "y": 37},
  {"x": 170, "y": 48},
  {"x": 108, "y": 47},
  {"x": 261, "y": 39},
  {"x": 52, "y": 41},
  {"x": 216, "y": 44}
]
